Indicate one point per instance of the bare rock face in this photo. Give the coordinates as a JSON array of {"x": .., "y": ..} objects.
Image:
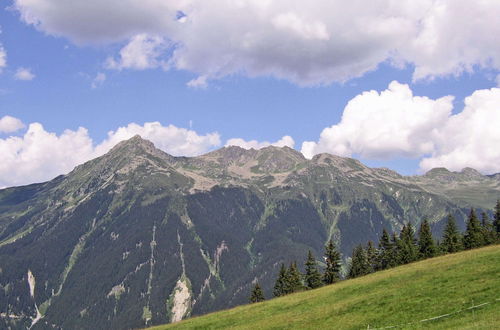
[{"x": 138, "y": 237}]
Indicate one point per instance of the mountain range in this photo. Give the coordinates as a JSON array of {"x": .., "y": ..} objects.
[{"x": 138, "y": 237}]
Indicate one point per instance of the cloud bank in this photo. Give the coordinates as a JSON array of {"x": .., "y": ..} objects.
[
  {"x": 39, "y": 155},
  {"x": 306, "y": 42},
  {"x": 395, "y": 123},
  {"x": 254, "y": 144},
  {"x": 470, "y": 138}
]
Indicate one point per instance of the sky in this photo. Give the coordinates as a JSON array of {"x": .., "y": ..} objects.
[{"x": 402, "y": 84}]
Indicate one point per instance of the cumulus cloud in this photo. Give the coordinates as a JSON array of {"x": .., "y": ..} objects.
[
  {"x": 455, "y": 36},
  {"x": 254, "y": 144},
  {"x": 142, "y": 52},
  {"x": 24, "y": 74},
  {"x": 99, "y": 79},
  {"x": 174, "y": 140},
  {"x": 470, "y": 138},
  {"x": 392, "y": 123},
  {"x": 40, "y": 155},
  {"x": 305, "y": 42},
  {"x": 9, "y": 124},
  {"x": 395, "y": 123}
]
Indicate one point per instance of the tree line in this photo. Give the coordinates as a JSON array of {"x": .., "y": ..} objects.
[{"x": 393, "y": 250}]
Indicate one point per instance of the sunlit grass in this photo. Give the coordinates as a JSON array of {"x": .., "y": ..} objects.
[{"x": 398, "y": 296}]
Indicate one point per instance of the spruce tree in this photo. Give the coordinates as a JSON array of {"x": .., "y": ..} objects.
[
  {"x": 385, "y": 253},
  {"x": 333, "y": 264},
  {"x": 407, "y": 245},
  {"x": 394, "y": 255},
  {"x": 294, "y": 278},
  {"x": 257, "y": 294},
  {"x": 312, "y": 276},
  {"x": 489, "y": 232},
  {"x": 282, "y": 287},
  {"x": 452, "y": 240},
  {"x": 473, "y": 237},
  {"x": 426, "y": 245},
  {"x": 359, "y": 263},
  {"x": 371, "y": 256},
  {"x": 496, "y": 222}
]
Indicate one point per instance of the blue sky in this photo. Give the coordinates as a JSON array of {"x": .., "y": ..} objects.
[{"x": 290, "y": 87}]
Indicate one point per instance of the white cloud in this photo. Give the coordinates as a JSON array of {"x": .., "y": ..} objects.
[
  {"x": 254, "y": 144},
  {"x": 3, "y": 58},
  {"x": 99, "y": 79},
  {"x": 24, "y": 74},
  {"x": 455, "y": 36},
  {"x": 393, "y": 123},
  {"x": 470, "y": 138},
  {"x": 142, "y": 52},
  {"x": 10, "y": 124},
  {"x": 39, "y": 155},
  {"x": 199, "y": 82},
  {"x": 306, "y": 42},
  {"x": 174, "y": 140}
]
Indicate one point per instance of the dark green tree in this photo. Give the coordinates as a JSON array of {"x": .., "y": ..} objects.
[
  {"x": 282, "y": 287},
  {"x": 359, "y": 263},
  {"x": 384, "y": 254},
  {"x": 257, "y": 294},
  {"x": 294, "y": 278},
  {"x": 407, "y": 245},
  {"x": 473, "y": 237},
  {"x": 452, "y": 239},
  {"x": 496, "y": 222},
  {"x": 312, "y": 276},
  {"x": 426, "y": 244},
  {"x": 371, "y": 256},
  {"x": 333, "y": 264},
  {"x": 489, "y": 232},
  {"x": 394, "y": 255}
]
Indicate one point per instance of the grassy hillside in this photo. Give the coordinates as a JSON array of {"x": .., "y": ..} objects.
[{"x": 398, "y": 296}]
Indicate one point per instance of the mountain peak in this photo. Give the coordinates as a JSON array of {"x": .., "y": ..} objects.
[
  {"x": 470, "y": 172},
  {"x": 437, "y": 171},
  {"x": 133, "y": 143}
]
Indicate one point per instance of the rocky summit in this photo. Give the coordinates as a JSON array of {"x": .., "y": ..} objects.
[{"x": 138, "y": 237}]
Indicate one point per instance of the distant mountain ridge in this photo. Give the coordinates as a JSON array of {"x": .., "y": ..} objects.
[{"x": 138, "y": 237}]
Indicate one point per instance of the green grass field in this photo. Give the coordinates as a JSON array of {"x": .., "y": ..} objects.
[{"x": 402, "y": 296}]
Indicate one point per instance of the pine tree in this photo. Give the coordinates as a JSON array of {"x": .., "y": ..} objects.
[
  {"x": 452, "y": 240},
  {"x": 359, "y": 263},
  {"x": 371, "y": 256},
  {"x": 394, "y": 255},
  {"x": 384, "y": 251},
  {"x": 312, "y": 276},
  {"x": 282, "y": 287},
  {"x": 426, "y": 245},
  {"x": 496, "y": 223},
  {"x": 407, "y": 245},
  {"x": 473, "y": 237},
  {"x": 489, "y": 232},
  {"x": 257, "y": 294},
  {"x": 333, "y": 264},
  {"x": 294, "y": 278}
]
